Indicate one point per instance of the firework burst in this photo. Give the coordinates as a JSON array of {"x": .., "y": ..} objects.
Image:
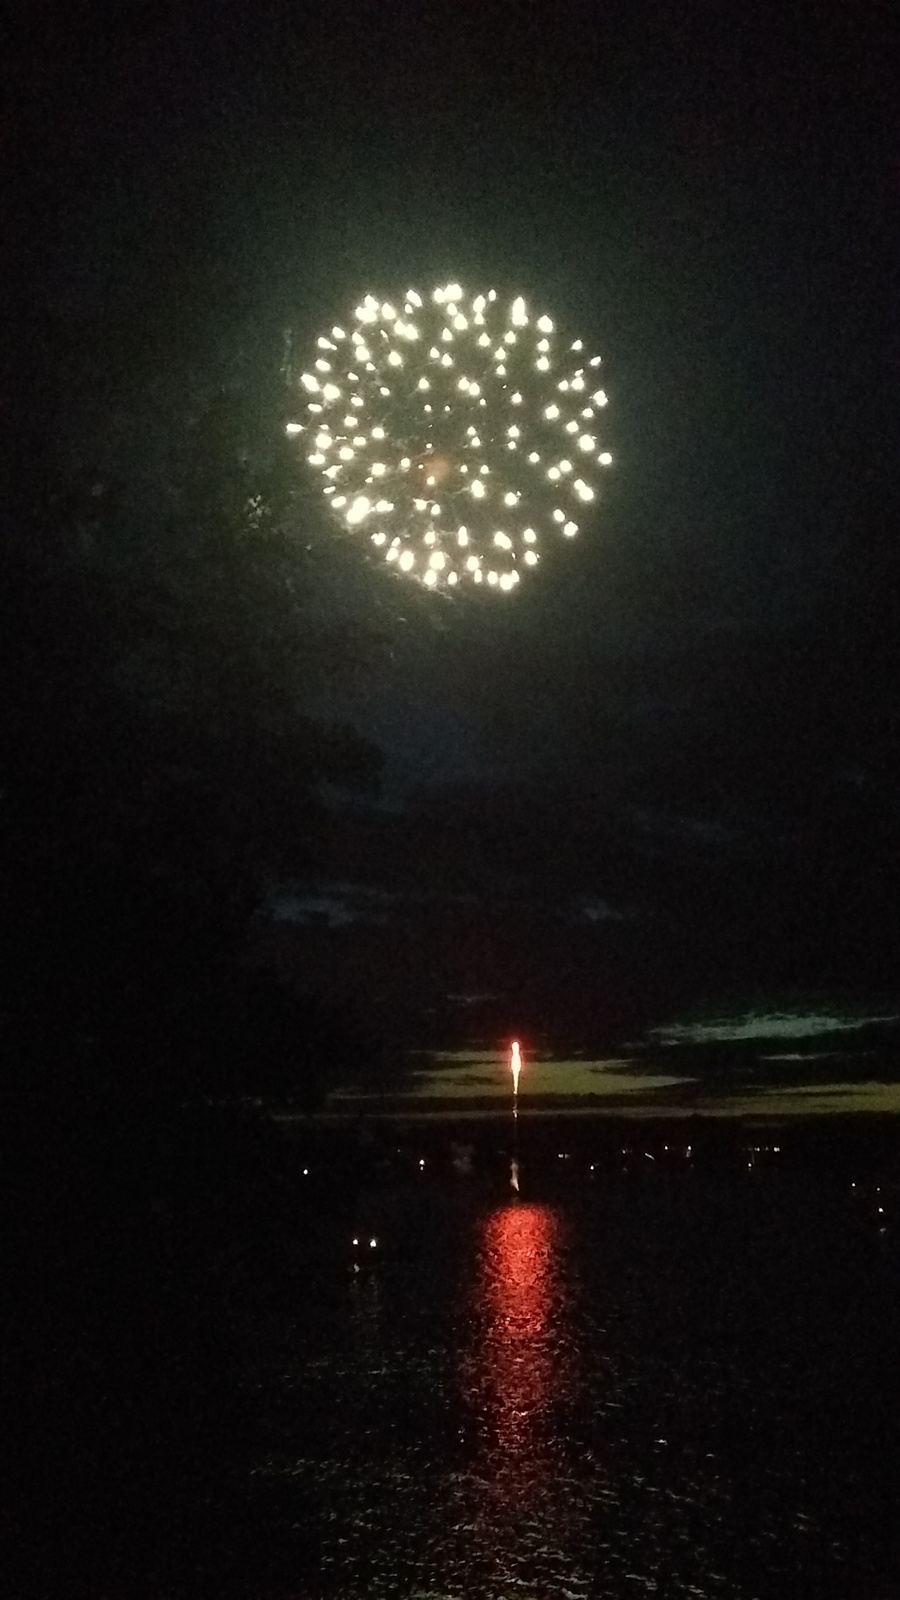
[{"x": 457, "y": 433}]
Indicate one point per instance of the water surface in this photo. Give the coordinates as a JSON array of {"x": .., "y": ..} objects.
[{"x": 679, "y": 1387}]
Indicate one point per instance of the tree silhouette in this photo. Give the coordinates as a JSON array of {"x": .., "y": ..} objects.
[{"x": 160, "y": 763}]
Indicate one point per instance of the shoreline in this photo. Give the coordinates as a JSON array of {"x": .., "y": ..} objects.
[{"x": 785, "y": 1108}]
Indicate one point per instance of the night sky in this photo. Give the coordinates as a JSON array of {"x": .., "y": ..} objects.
[{"x": 707, "y": 194}]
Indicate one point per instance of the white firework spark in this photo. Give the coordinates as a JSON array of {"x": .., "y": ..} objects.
[{"x": 455, "y": 432}]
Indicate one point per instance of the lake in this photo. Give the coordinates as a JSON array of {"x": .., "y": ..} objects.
[
  {"x": 666, "y": 1366},
  {"x": 636, "y": 1380}
]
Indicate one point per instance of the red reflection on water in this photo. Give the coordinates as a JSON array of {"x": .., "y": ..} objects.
[{"x": 514, "y": 1369}]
